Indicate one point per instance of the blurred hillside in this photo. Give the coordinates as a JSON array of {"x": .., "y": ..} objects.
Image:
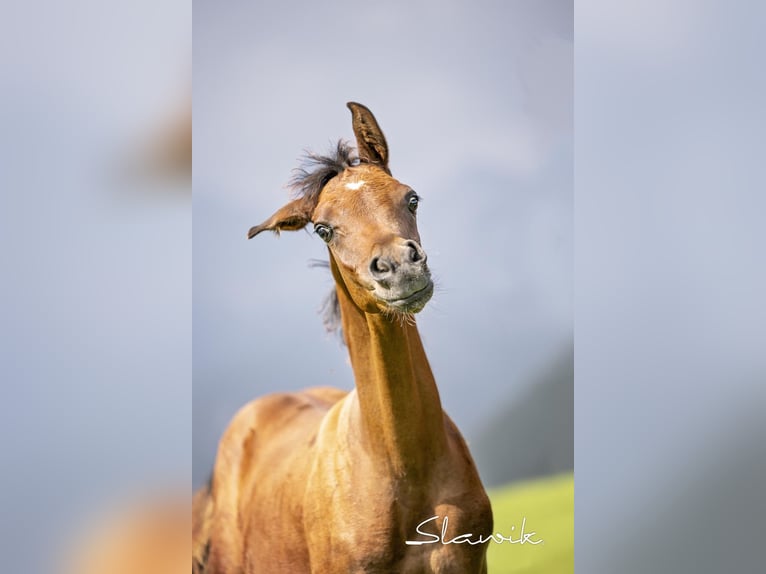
[{"x": 531, "y": 435}]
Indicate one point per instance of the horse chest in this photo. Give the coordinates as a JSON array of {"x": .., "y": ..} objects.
[{"x": 375, "y": 528}]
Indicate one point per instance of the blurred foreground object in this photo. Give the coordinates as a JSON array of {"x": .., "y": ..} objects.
[
  {"x": 146, "y": 539},
  {"x": 166, "y": 153},
  {"x": 173, "y": 149}
]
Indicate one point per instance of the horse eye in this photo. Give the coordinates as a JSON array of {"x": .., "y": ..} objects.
[
  {"x": 413, "y": 203},
  {"x": 323, "y": 231}
]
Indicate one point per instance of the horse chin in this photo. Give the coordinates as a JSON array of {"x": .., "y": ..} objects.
[{"x": 410, "y": 303}]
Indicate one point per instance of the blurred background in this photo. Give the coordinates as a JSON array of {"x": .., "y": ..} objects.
[
  {"x": 670, "y": 319},
  {"x": 95, "y": 267}
]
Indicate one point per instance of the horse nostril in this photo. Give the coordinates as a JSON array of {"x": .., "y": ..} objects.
[
  {"x": 380, "y": 267},
  {"x": 416, "y": 252}
]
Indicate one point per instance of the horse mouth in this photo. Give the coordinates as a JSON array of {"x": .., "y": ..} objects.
[{"x": 413, "y": 302}]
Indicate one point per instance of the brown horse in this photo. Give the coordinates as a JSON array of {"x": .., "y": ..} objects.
[{"x": 375, "y": 480}]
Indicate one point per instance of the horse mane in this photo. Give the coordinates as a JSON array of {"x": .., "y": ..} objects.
[
  {"x": 307, "y": 183},
  {"x": 330, "y": 309},
  {"x": 316, "y": 170},
  {"x": 331, "y": 315}
]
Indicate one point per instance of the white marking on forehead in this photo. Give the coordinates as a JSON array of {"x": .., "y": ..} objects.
[{"x": 354, "y": 185}]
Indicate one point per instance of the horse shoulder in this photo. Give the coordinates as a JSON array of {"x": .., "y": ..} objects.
[{"x": 263, "y": 458}]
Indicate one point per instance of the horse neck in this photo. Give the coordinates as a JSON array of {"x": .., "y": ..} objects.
[{"x": 399, "y": 411}]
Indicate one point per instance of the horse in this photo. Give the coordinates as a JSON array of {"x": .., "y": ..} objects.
[{"x": 375, "y": 480}]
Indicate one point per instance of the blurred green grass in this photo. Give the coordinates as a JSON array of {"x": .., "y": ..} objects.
[{"x": 548, "y": 505}]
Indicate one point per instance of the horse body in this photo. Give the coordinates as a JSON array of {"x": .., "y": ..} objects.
[
  {"x": 286, "y": 505},
  {"x": 328, "y": 482}
]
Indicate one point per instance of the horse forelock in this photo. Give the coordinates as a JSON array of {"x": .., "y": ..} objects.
[{"x": 309, "y": 179}]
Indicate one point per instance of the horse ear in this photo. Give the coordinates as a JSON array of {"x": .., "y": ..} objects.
[
  {"x": 369, "y": 137},
  {"x": 292, "y": 217}
]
